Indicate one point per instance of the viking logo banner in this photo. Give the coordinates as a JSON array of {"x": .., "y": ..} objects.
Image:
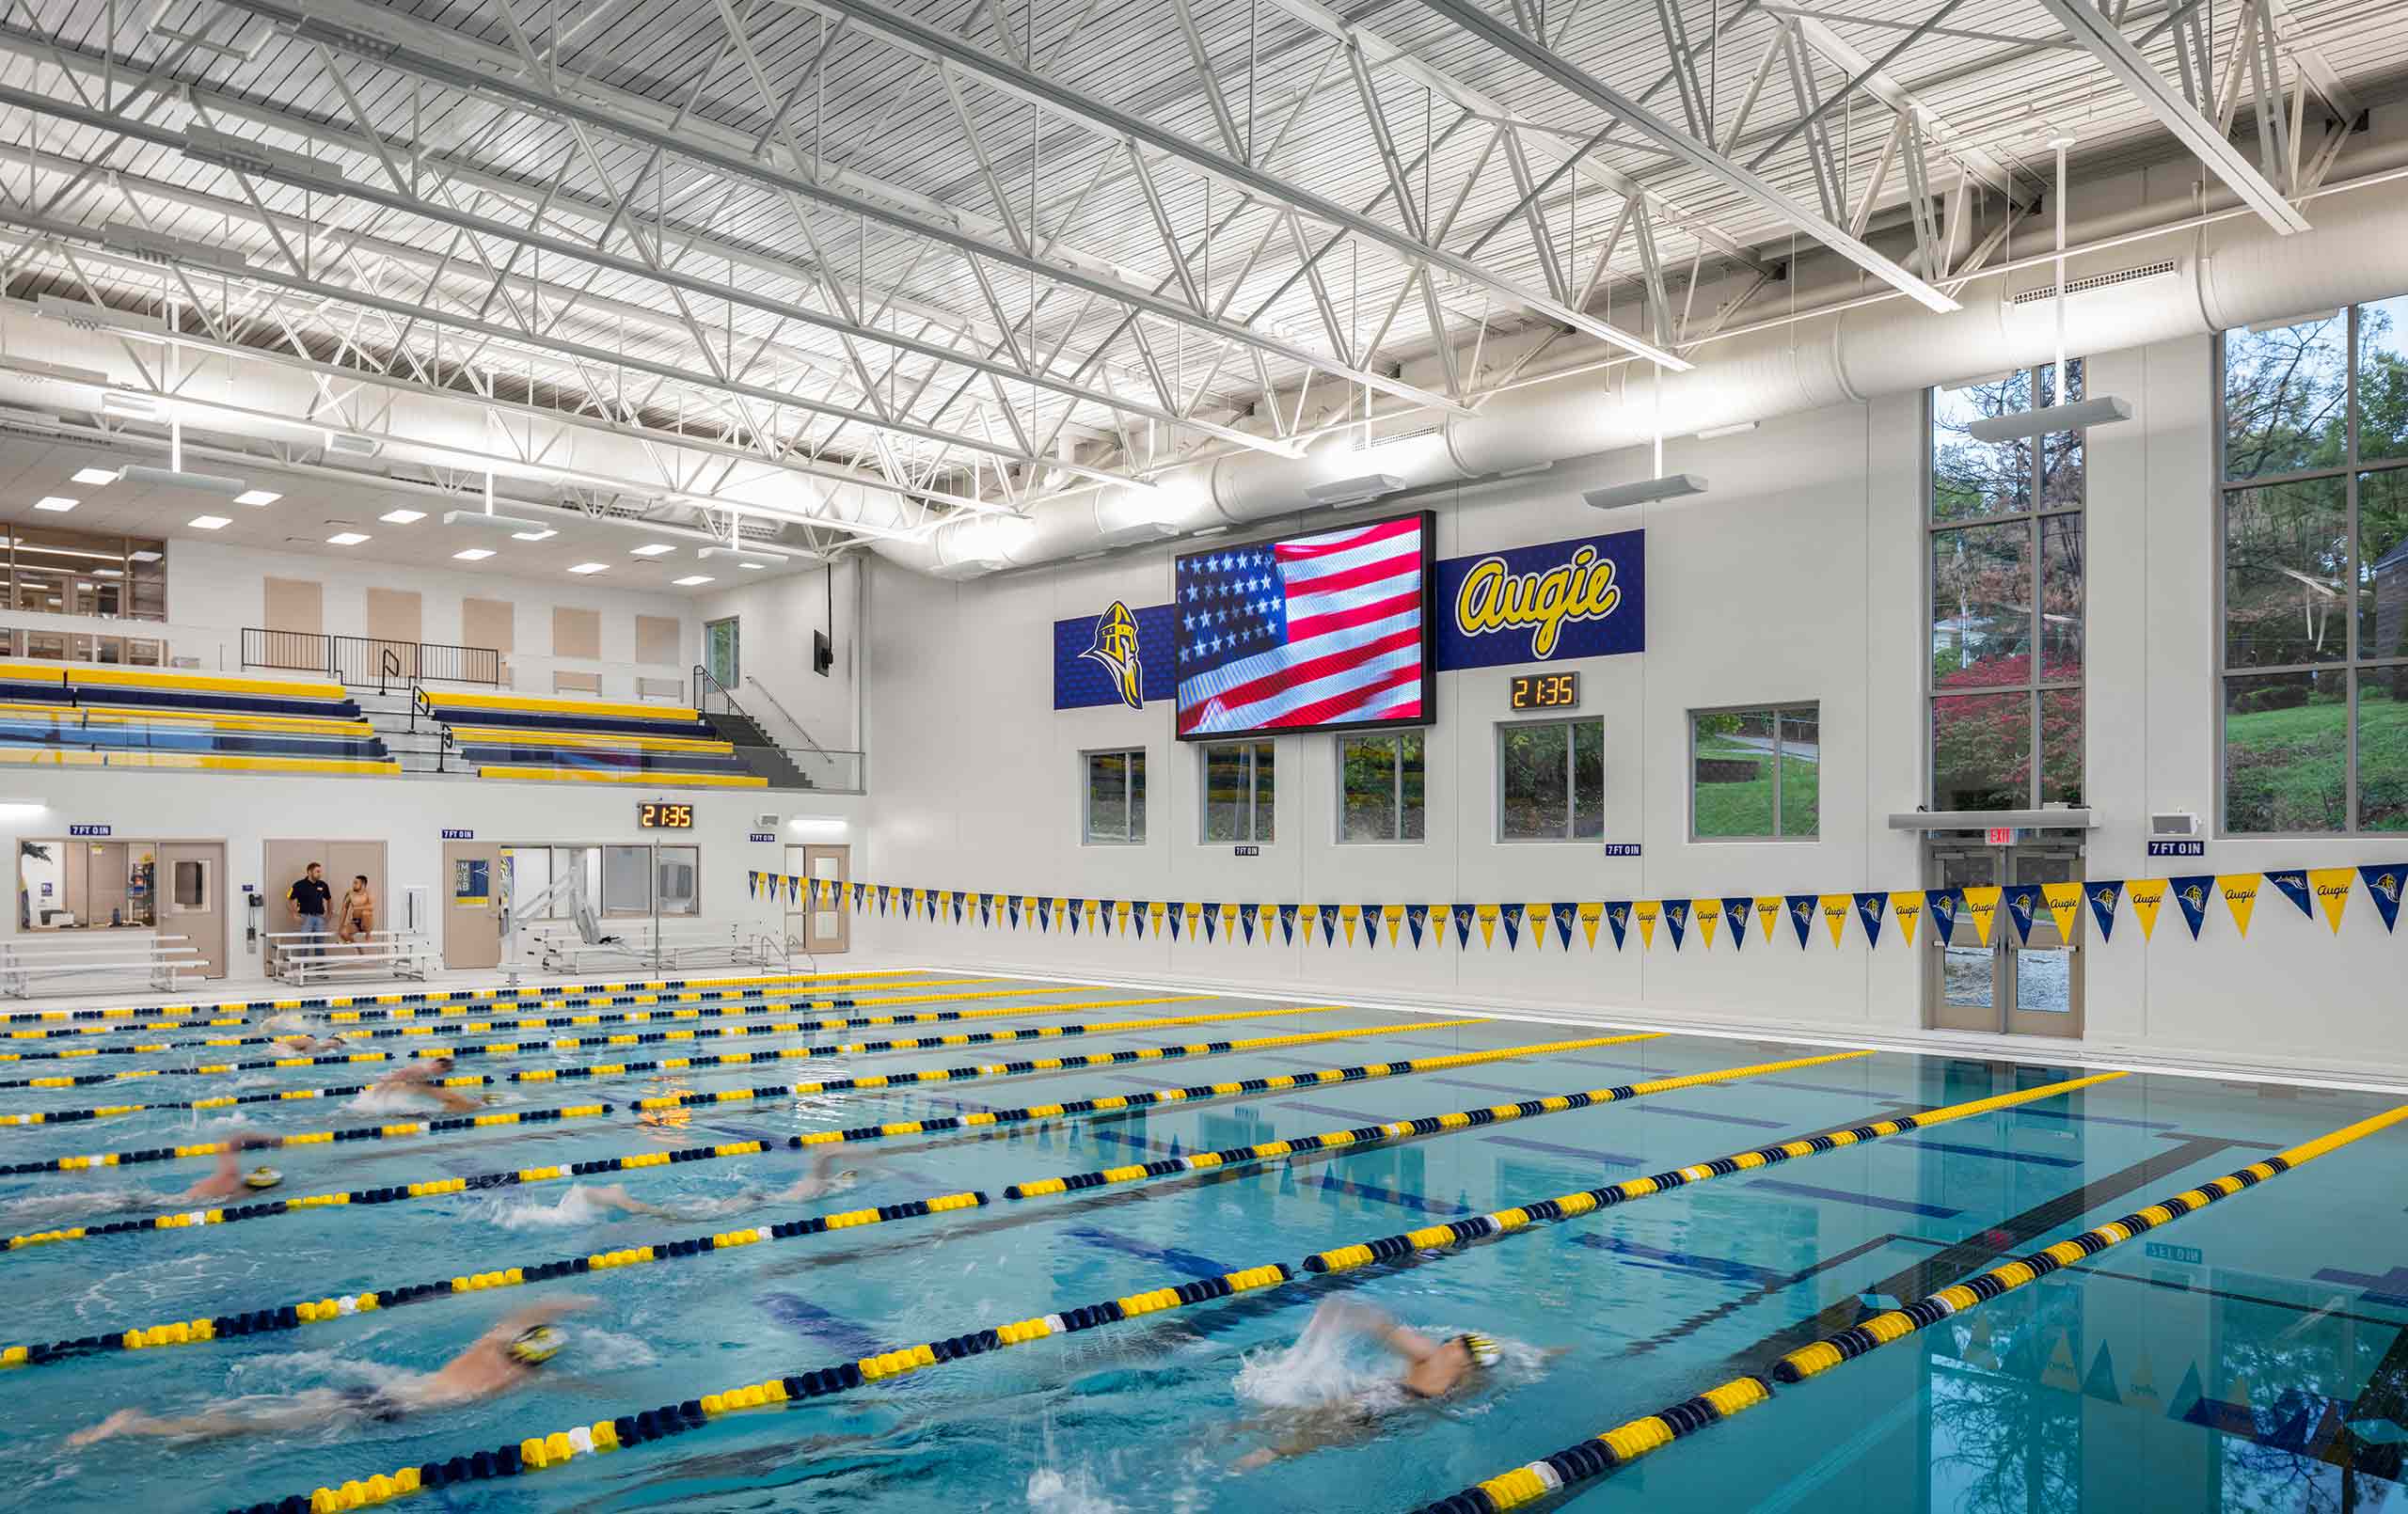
[
  {"x": 2103, "y": 897},
  {"x": 2193, "y": 894}
]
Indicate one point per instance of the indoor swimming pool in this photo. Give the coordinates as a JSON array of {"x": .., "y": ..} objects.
[{"x": 2249, "y": 1356}]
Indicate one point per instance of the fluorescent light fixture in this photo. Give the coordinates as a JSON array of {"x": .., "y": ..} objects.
[
  {"x": 474, "y": 554},
  {"x": 1645, "y": 492},
  {"x": 817, "y": 824},
  {"x": 21, "y": 806},
  {"x": 591, "y": 567},
  {"x": 743, "y": 558},
  {"x": 215, "y": 483},
  {"x": 346, "y": 538},
  {"x": 1737, "y": 428},
  {"x": 1361, "y": 490},
  {"x": 130, "y": 406},
  {"x": 403, "y": 517},
  {"x": 651, "y": 550},
  {"x": 692, "y": 579},
  {"x": 209, "y": 522},
  {"x": 58, "y": 502},
  {"x": 512, "y": 523},
  {"x": 755, "y": 567},
  {"x": 542, "y": 533},
  {"x": 108, "y": 573},
  {"x": 2022, "y": 424},
  {"x": 258, "y": 496},
  {"x": 145, "y": 556},
  {"x": 67, "y": 552},
  {"x": 97, "y": 478}
]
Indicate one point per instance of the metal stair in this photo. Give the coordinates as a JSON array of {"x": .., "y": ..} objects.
[
  {"x": 389, "y": 714},
  {"x": 754, "y": 746}
]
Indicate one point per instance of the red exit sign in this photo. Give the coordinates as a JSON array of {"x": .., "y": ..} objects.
[{"x": 2000, "y": 835}]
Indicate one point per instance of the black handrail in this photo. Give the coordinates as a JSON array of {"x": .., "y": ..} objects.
[{"x": 361, "y": 660}]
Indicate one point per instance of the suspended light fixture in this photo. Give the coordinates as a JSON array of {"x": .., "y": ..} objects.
[
  {"x": 1648, "y": 490},
  {"x": 2098, "y": 410}
]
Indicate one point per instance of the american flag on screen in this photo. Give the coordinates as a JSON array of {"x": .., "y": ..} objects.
[{"x": 1316, "y": 630}]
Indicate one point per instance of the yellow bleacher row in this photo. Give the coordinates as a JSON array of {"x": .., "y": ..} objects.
[{"x": 99, "y": 675}]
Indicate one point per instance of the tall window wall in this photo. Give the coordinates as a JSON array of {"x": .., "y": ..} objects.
[
  {"x": 2005, "y": 554},
  {"x": 2314, "y": 504}
]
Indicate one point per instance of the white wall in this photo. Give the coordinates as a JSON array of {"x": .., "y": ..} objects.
[
  {"x": 1799, "y": 576},
  {"x": 776, "y": 619}
]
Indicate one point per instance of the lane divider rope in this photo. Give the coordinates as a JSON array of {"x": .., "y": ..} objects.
[
  {"x": 1627, "y": 1442},
  {"x": 292, "y": 1316},
  {"x": 391, "y": 1193},
  {"x": 308, "y": 1138},
  {"x": 559, "y": 1447},
  {"x": 448, "y": 996}
]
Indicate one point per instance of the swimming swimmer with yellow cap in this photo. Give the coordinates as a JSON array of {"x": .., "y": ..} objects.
[
  {"x": 1434, "y": 1370},
  {"x": 505, "y": 1357},
  {"x": 229, "y": 1179}
]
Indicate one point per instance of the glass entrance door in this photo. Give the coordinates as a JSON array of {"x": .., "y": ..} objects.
[
  {"x": 721, "y": 655},
  {"x": 2019, "y": 982}
]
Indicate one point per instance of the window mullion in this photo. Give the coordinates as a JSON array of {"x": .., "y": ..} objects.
[{"x": 1777, "y": 738}]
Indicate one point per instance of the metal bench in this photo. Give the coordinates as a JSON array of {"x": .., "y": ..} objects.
[
  {"x": 302, "y": 958},
  {"x": 564, "y": 949},
  {"x": 27, "y": 961}
]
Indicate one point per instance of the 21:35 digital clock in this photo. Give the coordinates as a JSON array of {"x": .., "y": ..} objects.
[
  {"x": 660, "y": 815},
  {"x": 1546, "y": 691}
]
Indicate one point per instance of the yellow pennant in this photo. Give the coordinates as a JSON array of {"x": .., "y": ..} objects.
[
  {"x": 2065, "y": 906},
  {"x": 2147, "y": 895},
  {"x": 2332, "y": 889},
  {"x": 1906, "y": 908},
  {"x": 1061, "y": 913},
  {"x": 1228, "y": 920},
  {"x": 1590, "y": 915},
  {"x": 1981, "y": 902},
  {"x": 1347, "y": 916},
  {"x": 1195, "y": 919},
  {"x": 1394, "y": 914},
  {"x": 1156, "y": 909},
  {"x": 1708, "y": 914},
  {"x": 1028, "y": 907},
  {"x": 1768, "y": 909},
  {"x": 1442, "y": 920},
  {"x": 1265, "y": 917},
  {"x": 1486, "y": 915},
  {"x": 1307, "y": 916},
  {"x": 1539, "y": 915},
  {"x": 1647, "y": 909},
  {"x": 2240, "y": 891},
  {"x": 1836, "y": 907},
  {"x": 1121, "y": 908},
  {"x": 1092, "y": 908}
]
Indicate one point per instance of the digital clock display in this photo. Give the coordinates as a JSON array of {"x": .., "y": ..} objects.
[
  {"x": 1546, "y": 691},
  {"x": 656, "y": 814}
]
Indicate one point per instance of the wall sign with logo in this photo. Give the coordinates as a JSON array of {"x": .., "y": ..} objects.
[
  {"x": 87, "y": 831},
  {"x": 1582, "y": 597}
]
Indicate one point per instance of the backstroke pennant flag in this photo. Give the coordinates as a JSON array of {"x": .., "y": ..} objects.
[
  {"x": 1676, "y": 915},
  {"x": 1266, "y": 914},
  {"x": 1906, "y": 908},
  {"x": 1616, "y": 913},
  {"x": 1287, "y": 925},
  {"x": 1011, "y": 909},
  {"x": 1802, "y": 914},
  {"x": 1835, "y": 908},
  {"x": 2102, "y": 894},
  {"x": 2331, "y": 888},
  {"x": 1981, "y": 902},
  {"x": 1307, "y": 916},
  {"x": 1415, "y": 917},
  {"x": 2385, "y": 883},
  {"x": 1229, "y": 921},
  {"x": 2192, "y": 892},
  {"x": 2294, "y": 882},
  {"x": 2022, "y": 908},
  {"x": 1943, "y": 905},
  {"x": 1767, "y": 910},
  {"x": 1537, "y": 915},
  {"x": 1394, "y": 916},
  {"x": 986, "y": 909},
  {"x": 2064, "y": 901},
  {"x": 1737, "y": 910},
  {"x": 1510, "y": 916},
  {"x": 2240, "y": 891},
  {"x": 1486, "y": 915},
  {"x": 1709, "y": 914},
  {"x": 958, "y": 901},
  {"x": 1868, "y": 909},
  {"x": 1245, "y": 919},
  {"x": 1348, "y": 915},
  {"x": 2146, "y": 895},
  {"x": 1463, "y": 926},
  {"x": 1646, "y": 909},
  {"x": 1564, "y": 915},
  {"x": 1329, "y": 925},
  {"x": 1212, "y": 918}
]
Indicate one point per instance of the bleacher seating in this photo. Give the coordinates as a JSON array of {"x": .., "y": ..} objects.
[
  {"x": 586, "y": 740},
  {"x": 81, "y": 714}
]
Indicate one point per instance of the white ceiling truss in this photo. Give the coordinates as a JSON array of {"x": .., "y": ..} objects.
[{"x": 961, "y": 255}]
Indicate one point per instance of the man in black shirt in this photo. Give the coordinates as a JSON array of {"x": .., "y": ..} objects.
[{"x": 310, "y": 895}]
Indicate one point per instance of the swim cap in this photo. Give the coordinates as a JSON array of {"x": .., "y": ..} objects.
[
  {"x": 1484, "y": 1352},
  {"x": 535, "y": 1346},
  {"x": 263, "y": 1178}
]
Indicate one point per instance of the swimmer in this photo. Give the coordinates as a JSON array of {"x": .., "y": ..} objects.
[
  {"x": 302, "y": 1044},
  {"x": 229, "y": 1178},
  {"x": 420, "y": 1077},
  {"x": 504, "y": 1358},
  {"x": 1434, "y": 1370},
  {"x": 824, "y": 1180},
  {"x": 89, "y": 1205}
]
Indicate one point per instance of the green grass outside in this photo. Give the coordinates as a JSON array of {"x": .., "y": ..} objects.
[
  {"x": 1738, "y": 809},
  {"x": 2286, "y": 769}
]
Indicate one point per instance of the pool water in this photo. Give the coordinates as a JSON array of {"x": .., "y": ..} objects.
[{"x": 2252, "y": 1356}]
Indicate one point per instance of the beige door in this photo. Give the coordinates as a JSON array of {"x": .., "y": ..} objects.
[
  {"x": 348, "y": 860},
  {"x": 192, "y": 899},
  {"x": 473, "y": 887},
  {"x": 827, "y": 917}
]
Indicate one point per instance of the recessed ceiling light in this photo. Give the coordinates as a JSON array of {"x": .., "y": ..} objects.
[
  {"x": 590, "y": 567},
  {"x": 98, "y": 478},
  {"x": 474, "y": 554},
  {"x": 403, "y": 517},
  {"x": 145, "y": 556},
  {"x": 57, "y": 502},
  {"x": 208, "y": 523},
  {"x": 346, "y": 539},
  {"x": 257, "y": 497},
  {"x": 544, "y": 535},
  {"x": 651, "y": 550},
  {"x": 691, "y": 579}
]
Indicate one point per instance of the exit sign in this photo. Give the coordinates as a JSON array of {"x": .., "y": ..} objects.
[{"x": 2000, "y": 836}]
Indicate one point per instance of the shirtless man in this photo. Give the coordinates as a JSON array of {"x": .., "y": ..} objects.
[
  {"x": 425, "y": 1077},
  {"x": 229, "y": 1178},
  {"x": 503, "y": 1358},
  {"x": 1434, "y": 1370},
  {"x": 88, "y": 1206},
  {"x": 824, "y": 1180}
]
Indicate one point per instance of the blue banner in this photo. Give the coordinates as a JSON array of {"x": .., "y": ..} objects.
[{"x": 1584, "y": 597}]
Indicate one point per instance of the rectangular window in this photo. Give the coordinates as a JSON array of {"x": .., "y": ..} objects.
[
  {"x": 627, "y": 880},
  {"x": 1551, "y": 781},
  {"x": 1755, "y": 773},
  {"x": 2313, "y": 504},
  {"x": 1237, "y": 792},
  {"x": 1114, "y": 786},
  {"x": 1379, "y": 786},
  {"x": 2006, "y": 588},
  {"x": 677, "y": 881}
]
